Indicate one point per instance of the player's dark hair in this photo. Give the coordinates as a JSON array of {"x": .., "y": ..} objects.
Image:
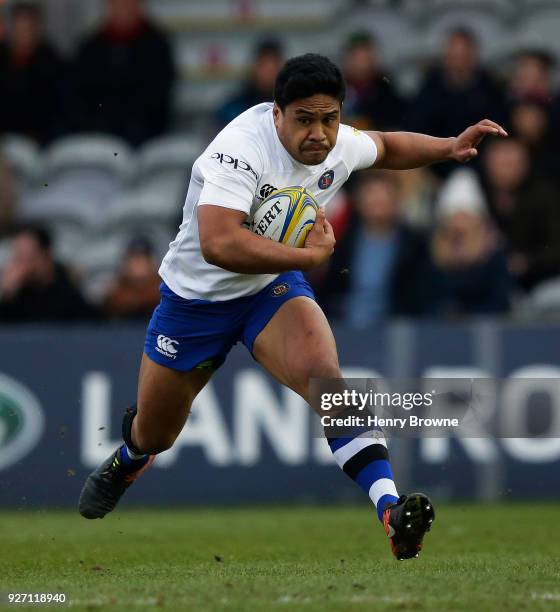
[{"x": 306, "y": 75}]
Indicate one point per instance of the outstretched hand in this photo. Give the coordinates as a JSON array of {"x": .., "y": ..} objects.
[{"x": 465, "y": 145}]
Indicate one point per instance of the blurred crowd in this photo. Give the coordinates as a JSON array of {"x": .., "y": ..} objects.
[
  {"x": 450, "y": 241},
  {"x": 118, "y": 81}
]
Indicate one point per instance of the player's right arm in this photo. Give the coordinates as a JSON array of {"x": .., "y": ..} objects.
[
  {"x": 230, "y": 169},
  {"x": 226, "y": 243}
]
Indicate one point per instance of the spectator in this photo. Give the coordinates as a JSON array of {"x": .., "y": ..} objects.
[
  {"x": 34, "y": 287},
  {"x": 135, "y": 292},
  {"x": 259, "y": 87},
  {"x": 124, "y": 76},
  {"x": 530, "y": 123},
  {"x": 2, "y": 26},
  {"x": 371, "y": 103},
  {"x": 467, "y": 270},
  {"x": 7, "y": 198},
  {"x": 374, "y": 267},
  {"x": 526, "y": 211},
  {"x": 455, "y": 94},
  {"x": 418, "y": 189},
  {"x": 532, "y": 109},
  {"x": 531, "y": 77},
  {"x": 30, "y": 71}
]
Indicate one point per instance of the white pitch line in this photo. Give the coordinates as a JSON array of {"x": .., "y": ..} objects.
[{"x": 546, "y": 596}]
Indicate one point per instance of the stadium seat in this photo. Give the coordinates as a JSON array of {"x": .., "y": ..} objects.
[
  {"x": 195, "y": 9},
  {"x": 219, "y": 12},
  {"x": 142, "y": 207},
  {"x": 388, "y": 26},
  {"x": 539, "y": 29},
  {"x": 532, "y": 5},
  {"x": 68, "y": 236},
  {"x": 98, "y": 260},
  {"x": 378, "y": 3},
  {"x": 483, "y": 6},
  {"x": 81, "y": 195},
  {"x": 177, "y": 153},
  {"x": 24, "y": 158},
  {"x": 295, "y": 9},
  {"x": 545, "y": 298},
  {"x": 82, "y": 175},
  {"x": 100, "y": 252},
  {"x": 103, "y": 247},
  {"x": 100, "y": 151},
  {"x": 162, "y": 178},
  {"x": 4, "y": 252},
  {"x": 488, "y": 28},
  {"x": 150, "y": 213},
  {"x": 424, "y": 12}
]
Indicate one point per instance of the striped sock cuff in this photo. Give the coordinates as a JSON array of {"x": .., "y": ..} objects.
[
  {"x": 131, "y": 462},
  {"x": 344, "y": 449}
]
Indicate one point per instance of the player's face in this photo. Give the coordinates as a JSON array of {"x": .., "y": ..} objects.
[{"x": 308, "y": 128}]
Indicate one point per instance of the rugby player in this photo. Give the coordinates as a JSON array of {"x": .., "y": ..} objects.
[{"x": 223, "y": 284}]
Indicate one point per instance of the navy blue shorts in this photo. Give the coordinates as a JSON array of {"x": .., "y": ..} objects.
[{"x": 188, "y": 334}]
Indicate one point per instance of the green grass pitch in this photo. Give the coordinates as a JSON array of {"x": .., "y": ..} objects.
[{"x": 482, "y": 557}]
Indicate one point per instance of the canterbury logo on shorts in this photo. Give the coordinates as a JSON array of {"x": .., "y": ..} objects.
[{"x": 166, "y": 346}]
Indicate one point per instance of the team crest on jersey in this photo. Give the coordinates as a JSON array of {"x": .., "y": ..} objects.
[
  {"x": 326, "y": 179},
  {"x": 279, "y": 290}
]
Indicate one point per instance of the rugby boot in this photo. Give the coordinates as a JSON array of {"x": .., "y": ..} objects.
[
  {"x": 406, "y": 521},
  {"x": 106, "y": 485}
]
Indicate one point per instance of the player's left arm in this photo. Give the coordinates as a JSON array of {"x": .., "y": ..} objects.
[{"x": 405, "y": 150}]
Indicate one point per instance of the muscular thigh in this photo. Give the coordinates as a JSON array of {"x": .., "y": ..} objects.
[
  {"x": 164, "y": 400},
  {"x": 297, "y": 344}
]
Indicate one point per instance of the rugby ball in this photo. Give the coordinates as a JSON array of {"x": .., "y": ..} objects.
[{"x": 286, "y": 216}]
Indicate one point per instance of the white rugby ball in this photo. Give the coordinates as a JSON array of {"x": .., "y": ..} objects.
[{"x": 286, "y": 216}]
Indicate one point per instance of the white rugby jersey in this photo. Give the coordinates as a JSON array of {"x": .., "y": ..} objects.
[{"x": 242, "y": 166}]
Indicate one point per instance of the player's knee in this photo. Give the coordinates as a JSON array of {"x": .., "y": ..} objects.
[{"x": 320, "y": 366}]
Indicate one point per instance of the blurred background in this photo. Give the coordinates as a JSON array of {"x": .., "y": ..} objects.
[{"x": 444, "y": 272}]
